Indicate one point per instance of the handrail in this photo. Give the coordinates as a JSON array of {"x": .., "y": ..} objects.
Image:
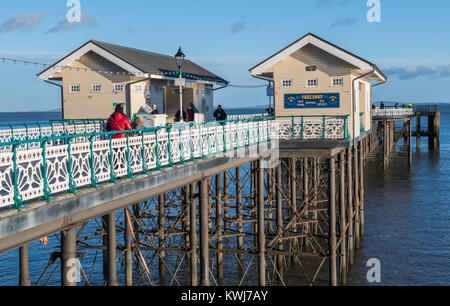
[{"x": 30, "y": 174}]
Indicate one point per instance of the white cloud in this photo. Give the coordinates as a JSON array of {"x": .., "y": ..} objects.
[
  {"x": 25, "y": 22},
  {"x": 65, "y": 25}
]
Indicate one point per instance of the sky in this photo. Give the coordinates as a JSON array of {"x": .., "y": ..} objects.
[{"x": 410, "y": 43}]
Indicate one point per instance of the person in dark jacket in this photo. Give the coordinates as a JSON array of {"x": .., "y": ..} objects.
[
  {"x": 177, "y": 116},
  {"x": 220, "y": 114},
  {"x": 191, "y": 111},
  {"x": 118, "y": 122}
]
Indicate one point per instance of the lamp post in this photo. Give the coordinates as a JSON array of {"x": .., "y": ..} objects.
[{"x": 180, "y": 59}]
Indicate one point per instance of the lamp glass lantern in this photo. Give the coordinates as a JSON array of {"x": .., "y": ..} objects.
[{"x": 180, "y": 60}]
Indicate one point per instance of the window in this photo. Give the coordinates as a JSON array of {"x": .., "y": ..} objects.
[
  {"x": 74, "y": 88},
  {"x": 286, "y": 83},
  {"x": 118, "y": 87},
  {"x": 311, "y": 68},
  {"x": 339, "y": 82},
  {"x": 312, "y": 83},
  {"x": 97, "y": 88}
]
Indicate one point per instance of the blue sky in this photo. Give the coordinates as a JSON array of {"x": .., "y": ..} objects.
[{"x": 410, "y": 44}]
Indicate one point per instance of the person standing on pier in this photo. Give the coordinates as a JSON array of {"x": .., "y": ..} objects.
[
  {"x": 220, "y": 114},
  {"x": 118, "y": 122},
  {"x": 191, "y": 111},
  {"x": 155, "y": 110}
]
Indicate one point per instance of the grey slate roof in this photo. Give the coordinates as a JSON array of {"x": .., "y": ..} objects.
[{"x": 151, "y": 62}]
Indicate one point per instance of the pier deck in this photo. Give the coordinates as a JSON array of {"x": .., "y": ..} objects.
[{"x": 246, "y": 182}]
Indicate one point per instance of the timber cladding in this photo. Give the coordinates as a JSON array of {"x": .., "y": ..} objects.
[
  {"x": 87, "y": 104},
  {"x": 293, "y": 68}
]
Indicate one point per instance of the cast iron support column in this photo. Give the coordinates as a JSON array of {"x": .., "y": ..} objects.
[
  {"x": 294, "y": 202},
  {"x": 162, "y": 234},
  {"x": 105, "y": 248},
  {"x": 128, "y": 249},
  {"x": 343, "y": 223},
  {"x": 68, "y": 257},
  {"x": 351, "y": 236},
  {"x": 112, "y": 246},
  {"x": 204, "y": 235},
  {"x": 279, "y": 204},
  {"x": 193, "y": 235},
  {"x": 240, "y": 238},
  {"x": 332, "y": 225},
  {"x": 24, "y": 278},
  {"x": 357, "y": 198},
  {"x": 261, "y": 229},
  {"x": 306, "y": 201},
  {"x": 187, "y": 222},
  {"x": 219, "y": 227}
]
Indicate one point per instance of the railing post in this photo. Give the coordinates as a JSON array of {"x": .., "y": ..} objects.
[
  {"x": 169, "y": 147},
  {"x": 293, "y": 128},
  {"x": 158, "y": 163},
  {"x": 18, "y": 202},
  {"x": 143, "y": 158},
  {"x": 94, "y": 181},
  {"x": 323, "y": 128},
  {"x": 303, "y": 127},
  {"x": 47, "y": 191}
]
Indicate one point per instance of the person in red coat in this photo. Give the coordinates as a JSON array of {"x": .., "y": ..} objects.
[{"x": 118, "y": 122}]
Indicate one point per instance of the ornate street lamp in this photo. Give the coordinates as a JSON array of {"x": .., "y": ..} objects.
[{"x": 180, "y": 59}]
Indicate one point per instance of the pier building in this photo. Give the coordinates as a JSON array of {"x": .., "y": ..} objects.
[
  {"x": 99, "y": 75},
  {"x": 313, "y": 77}
]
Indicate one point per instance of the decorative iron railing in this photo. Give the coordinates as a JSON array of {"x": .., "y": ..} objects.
[
  {"x": 66, "y": 158},
  {"x": 310, "y": 127},
  {"x": 241, "y": 116},
  {"x": 27, "y": 132},
  {"x": 39, "y": 172},
  {"x": 392, "y": 112}
]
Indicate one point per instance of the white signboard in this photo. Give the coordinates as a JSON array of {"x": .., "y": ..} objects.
[{"x": 180, "y": 82}]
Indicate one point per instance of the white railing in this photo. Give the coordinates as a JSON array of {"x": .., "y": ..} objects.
[
  {"x": 46, "y": 130},
  {"x": 35, "y": 168},
  {"x": 310, "y": 128},
  {"x": 243, "y": 116},
  {"x": 392, "y": 112},
  {"x": 32, "y": 173}
]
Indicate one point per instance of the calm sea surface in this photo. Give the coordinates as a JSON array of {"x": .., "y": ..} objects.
[{"x": 407, "y": 218}]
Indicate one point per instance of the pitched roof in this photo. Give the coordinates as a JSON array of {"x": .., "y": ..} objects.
[
  {"x": 148, "y": 62},
  {"x": 321, "y": 43},
  {"x": 152, "y": 62}
]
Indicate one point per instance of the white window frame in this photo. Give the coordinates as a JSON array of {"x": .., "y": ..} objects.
[
  {"x": 71, "y": 87},
  {"x": 287, "y": 83},
  {"x": 116, "y": 85},
  {"x": 312, "y": 86},
  {"x": 341, "y": 80},
  {"x": 93, "y": 90}
]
